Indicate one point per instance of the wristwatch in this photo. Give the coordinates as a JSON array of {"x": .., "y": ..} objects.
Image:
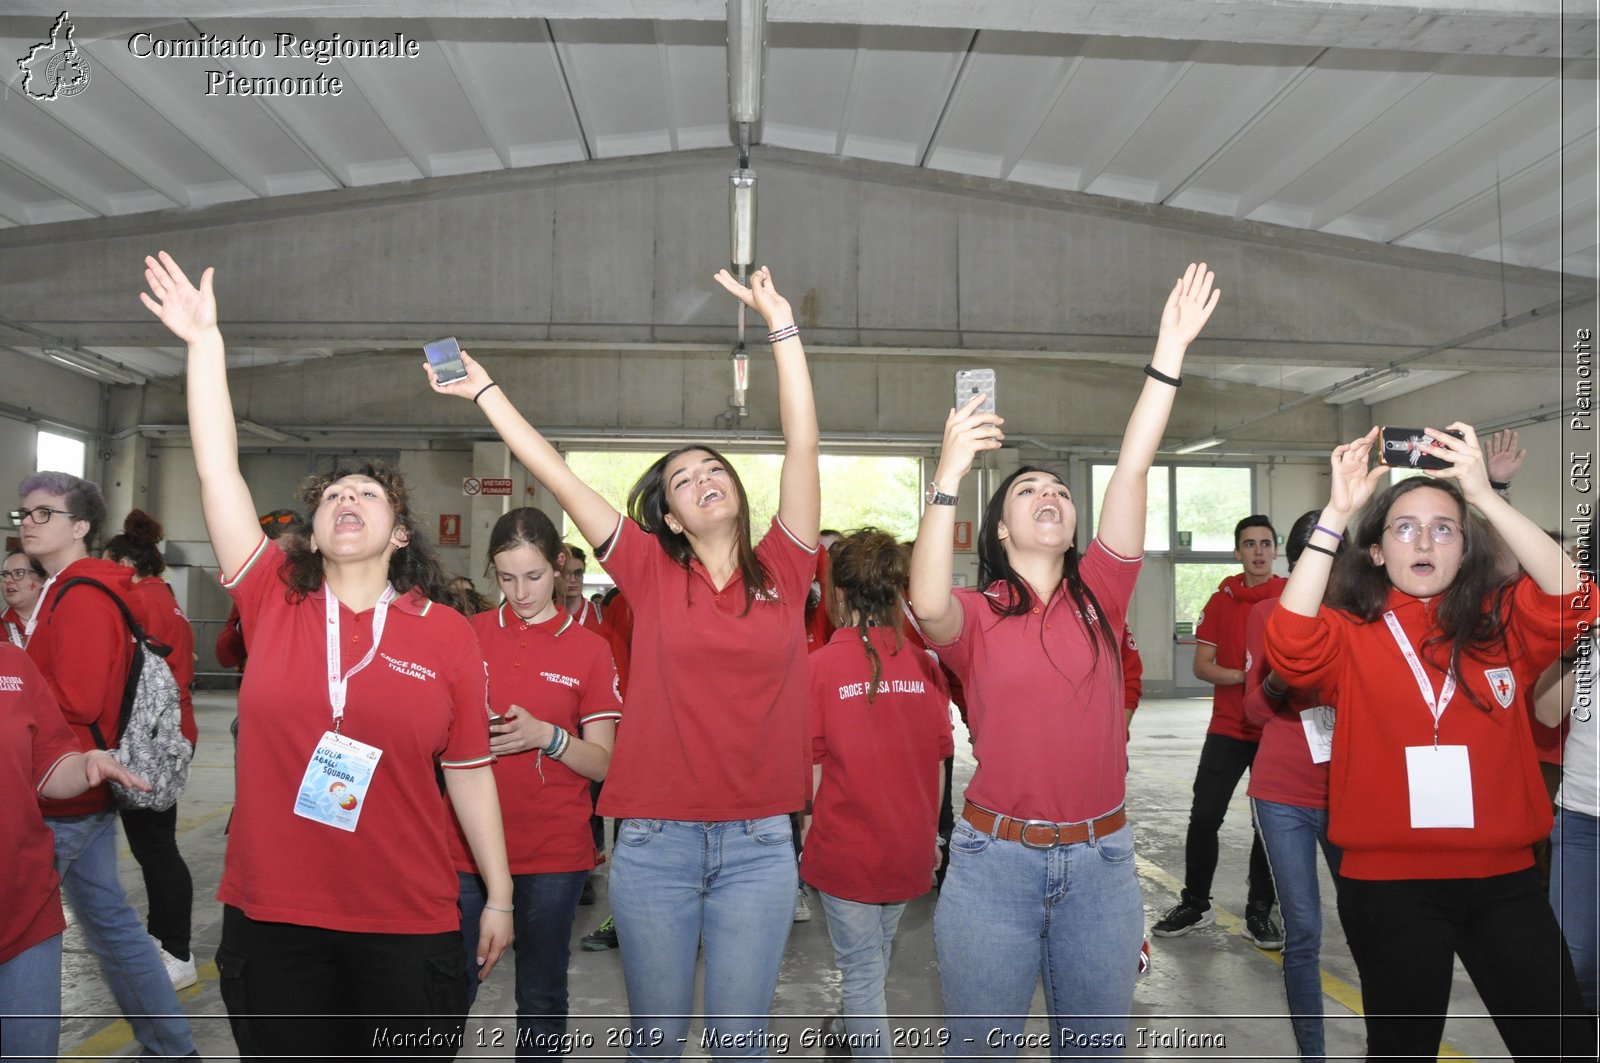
[{"x": 935, "y": 497}]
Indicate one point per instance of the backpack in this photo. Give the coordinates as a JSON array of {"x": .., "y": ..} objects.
[{"x": 150, "y": 741}]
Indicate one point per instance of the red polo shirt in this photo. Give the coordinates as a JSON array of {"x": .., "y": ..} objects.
[
  {"x": 1282, "y": 771},
  {"x": 875, "y": 820},
  {"x": 589, "y": 617},
  {"x": 422, "y": 701},
  {"x": 84, "y": 650},
  {"x": 1361, "y": 670},
  {"x": 158, "y": 606},
  {"x": 34, "y": 740},
  {"x": 1045, "y": 712},
  {"x": 562, "y": 674},
  {"x": 1222, "y": 625},
  {"x": 718, "y": 717}
]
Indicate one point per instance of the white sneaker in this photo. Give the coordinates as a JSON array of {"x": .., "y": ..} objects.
[
  {"x": 182, "y": 972},
  {"x": 802, "y": 907}
]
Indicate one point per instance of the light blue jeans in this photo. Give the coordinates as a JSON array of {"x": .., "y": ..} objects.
[
  {"x": 863, "y": 937},
  {"x": 30, "y": 1002},
  {"x": 680, "y": 885},
  {"x": 86, "y": 860},
  {"x": 1574, "y": 887},
  {"x": 1009, "y": 914},
  {"x": 1292, "y": 834}
]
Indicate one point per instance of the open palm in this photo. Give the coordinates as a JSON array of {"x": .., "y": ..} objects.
[{"x": 188, "y": 311}]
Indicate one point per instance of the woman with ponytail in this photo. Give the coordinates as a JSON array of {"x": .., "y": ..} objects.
[
  {"x": 153, "y": 836},
  {"x": 880, "y": 725}
]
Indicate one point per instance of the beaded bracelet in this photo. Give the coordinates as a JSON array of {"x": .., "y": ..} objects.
[
  {"x": 1321, "y": 549},
  {"x": 788, "y": 332},
  {"x": 1155, "y": 374},
  {"x": 1330, "y": 531}
]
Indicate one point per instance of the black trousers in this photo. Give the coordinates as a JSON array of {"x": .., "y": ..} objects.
[
  {"x": 1405, "y": 934},
  {"x": 1223, "y": 761},
  {"x": 305, "y": 991},
  {"x": 153, "y": 837}
]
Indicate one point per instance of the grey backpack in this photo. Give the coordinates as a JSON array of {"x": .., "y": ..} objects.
[{"x": 150, "y": 740}]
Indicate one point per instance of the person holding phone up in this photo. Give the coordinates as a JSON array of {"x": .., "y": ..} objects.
[
  {"x": 1035, "y": 647},
  {"x": 1434, "y": 793},
  {"x": 340, "y": 933}
]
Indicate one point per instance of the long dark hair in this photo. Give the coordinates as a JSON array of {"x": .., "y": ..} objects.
[
  {"x": 993, "y": 564},
  {"x": 526, "y": 526},
  {"x": 138, "y": 543},
  {"x": 412, "y": 567},
  {"x": 647, "y": 505},
  {"x": 871, "y": 570},
  {"x": 1472, "y": 612}
]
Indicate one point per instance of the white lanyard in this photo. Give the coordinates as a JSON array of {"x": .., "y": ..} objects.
[
  {"x": 1449, "y": 691},
  {"x": 38, "y": 607},
  {"x": 338, "y": 685}
]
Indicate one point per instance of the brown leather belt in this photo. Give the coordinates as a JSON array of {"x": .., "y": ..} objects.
[{"x": 1041, "y": 833}]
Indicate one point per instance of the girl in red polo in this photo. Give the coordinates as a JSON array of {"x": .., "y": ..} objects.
[
  {"x": 553, "y": 692},
  {"x": 716, "y": 752},
  {"x": 880, "y": 731},
  {"x": 1041, "y": 880},
  {"x": 340, "y": 932},
  {"x": 1434, "y": 792}
]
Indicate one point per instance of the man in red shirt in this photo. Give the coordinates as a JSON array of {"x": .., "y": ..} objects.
[
  {"x": 580, "y": 608},
  {"x": 81, "y": 644},
  {"x": 1231, "y": 741}
]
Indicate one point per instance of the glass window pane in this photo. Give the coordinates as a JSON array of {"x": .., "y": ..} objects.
[
  {"x": 1210, "y": 502},
  {"x": 60, "y": 454},
  {"x": 1157, "y": 528},
  {"x": 1193, "y": 585}
]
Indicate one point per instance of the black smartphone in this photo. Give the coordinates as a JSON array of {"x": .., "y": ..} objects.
[
  {"x": 445, "y": 357},
  {"x": 1403, "y": 447},
  {"x": 970, "y": 382}
]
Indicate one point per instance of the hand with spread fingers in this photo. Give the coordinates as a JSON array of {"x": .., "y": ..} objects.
[
  {"x": 189, "y": 312},
  {"x": 1502, "y": 456},
  {"x": 1189, "y": 305}
]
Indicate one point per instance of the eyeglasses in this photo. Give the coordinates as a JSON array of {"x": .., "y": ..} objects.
[
  {"x": 15, "y": 575},
  {"x": 40, "y": 514},
  {"x": 1442, "y": 532}
]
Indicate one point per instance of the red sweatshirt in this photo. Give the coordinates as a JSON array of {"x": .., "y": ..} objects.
[
  {"x": 1381, "y": 712},
  {"x": 1222, "y": 625}
]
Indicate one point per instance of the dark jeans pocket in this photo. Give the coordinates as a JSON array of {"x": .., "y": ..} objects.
[{"x": 236, "y": 998}]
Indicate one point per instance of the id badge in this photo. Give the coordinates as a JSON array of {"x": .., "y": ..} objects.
[
  {"x": 1440, "y": 781},
  {"x": 334, "y": 790},
  {"x": 1318, "y": 724}
]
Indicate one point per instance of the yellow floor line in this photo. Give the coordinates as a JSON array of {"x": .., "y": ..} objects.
[{"x": 118, "y": 1036}]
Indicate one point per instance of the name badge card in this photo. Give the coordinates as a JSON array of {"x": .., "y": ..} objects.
[
  {"x": 334, "y": 790},
  {"x": 1440, "y": 781},
  {"x": 1318, "y": 724}
]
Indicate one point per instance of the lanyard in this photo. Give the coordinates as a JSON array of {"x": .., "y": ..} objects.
[
  {"x": 38, "y": 607},
  {"x": 1436, "y": 708},
  {"x": 338, "y": 685}
]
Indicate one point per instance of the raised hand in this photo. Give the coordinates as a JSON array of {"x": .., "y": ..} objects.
[
  {"x": 467, "y": 387},
  {"x": 966, "y": 432},
  {"x": 1353, "y": 481},
  {"x": 189, "y": 312},
  {"x": 1467, "y": 466},
  {"x": 760, "y": 296},
  {"x": 1502, "y": 457},
  {"x": 1189, "y": 305}
]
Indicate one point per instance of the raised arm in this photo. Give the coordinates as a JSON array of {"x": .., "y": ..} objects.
[
  {"x": 800, "y": 483},
  {"x": 191, "y": 314},
  {"x": 595, "y": 517},
  {"x": 966, "y": 432},
  {"x": 1122, "y": 512},
  {"x": 1353, "y": 484}
]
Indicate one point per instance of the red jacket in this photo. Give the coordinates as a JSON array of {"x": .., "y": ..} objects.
[
  {"x": 1132, "y": 670},
  {"x": 1360, "y": 669},
  {"x": 1222, "y": 625},
  {"x": 84, "y": 650}
]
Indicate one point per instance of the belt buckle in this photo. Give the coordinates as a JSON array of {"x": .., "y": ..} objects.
[{"x": 1055, "y": 836}]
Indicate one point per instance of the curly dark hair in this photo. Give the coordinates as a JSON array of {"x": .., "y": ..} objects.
[
  {"x": 414, "y": 566},
  {"x": 870, "y": 570},
  {"x": 1473, "y": 611},
  {"x": 141, "y": 534},
  {"x": 647, "y": 505}
]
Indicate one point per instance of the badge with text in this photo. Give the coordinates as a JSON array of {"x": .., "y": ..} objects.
[{"x": 334, "y": 790}]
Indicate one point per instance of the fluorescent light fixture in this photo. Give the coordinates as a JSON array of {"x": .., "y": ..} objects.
[
  {"x": 742, "y": 219},
  {"x": 1366, "y": 385},
  {"x": 1198, "y": 445},
  {"x": 266, "y": 431},
  {"x": 102, "y": 369},
  {"x": 747, "y": 31}
]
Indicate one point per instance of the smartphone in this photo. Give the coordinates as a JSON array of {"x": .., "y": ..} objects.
[
  {"x": 1403, "y": 447},
  {"x": 496, "y": 719},
  {"x": 970, "y": 382},
  {"x": 445, "y": 357}
]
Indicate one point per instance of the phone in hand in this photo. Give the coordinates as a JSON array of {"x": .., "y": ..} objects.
[
  {"x": 496, "y": 720},
  {"x": 445, "y": 357},
  {"x": 1403, "y": 447},
  {"x": 970, "y": 382}
]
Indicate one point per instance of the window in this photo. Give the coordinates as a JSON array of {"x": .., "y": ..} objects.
[
  {"x": 1157, "y": 524},
  {"x": 60, "y": 454},
  {"x": 1193, "y": 585},
  {"x": 1210, "y": 501}
]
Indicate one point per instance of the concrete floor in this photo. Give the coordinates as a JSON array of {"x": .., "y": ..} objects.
[{"x": 1210, "y": 983}]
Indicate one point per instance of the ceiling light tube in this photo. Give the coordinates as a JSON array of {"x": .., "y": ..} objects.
[
  {"x": 1372, "y": 383},
  {"x": 742, "y": 219},
  {"x": 266, "y": 431},
  {"x": 1198, "y": 445},
  {"x": 747, "y": 31}
]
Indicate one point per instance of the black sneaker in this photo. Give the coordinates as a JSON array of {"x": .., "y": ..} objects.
[
  {"x": 1184, "y": 917},
  {"x": 1260, "y": 929},
  {"x": 835, "y": 1045},
  {"x": 605, "y": 937},
  {"x": 587, "y": 896}
]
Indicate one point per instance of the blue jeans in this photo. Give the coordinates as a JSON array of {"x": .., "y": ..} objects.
[
  {"x": 30, "y": 985},
  {"x": 86, "y": 860},
  {"x": 1009, "y": 914},
  {"x": 542, "y": 910},
  {"x": 729, "y": 887},
  {"x": 1574, "y": 886},
  {"x": 863, "y": 936},
  {"x": 1292, "y": 835}
]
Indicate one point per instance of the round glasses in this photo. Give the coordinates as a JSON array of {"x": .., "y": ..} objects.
[{"x": 1442, "y": 532}]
